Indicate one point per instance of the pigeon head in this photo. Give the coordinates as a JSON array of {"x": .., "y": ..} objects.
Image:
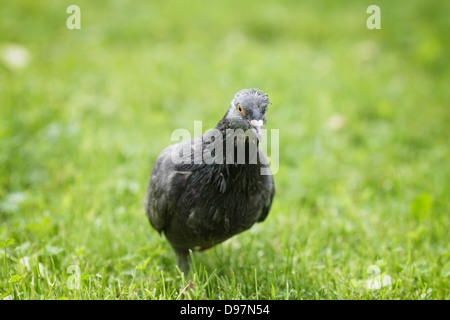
[{"x": 248, "y": 110}]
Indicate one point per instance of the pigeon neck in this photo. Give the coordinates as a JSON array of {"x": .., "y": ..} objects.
[{"x": 223, "y": 126}]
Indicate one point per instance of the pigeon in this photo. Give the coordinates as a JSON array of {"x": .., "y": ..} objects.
[{"x": 199, "y": 201}]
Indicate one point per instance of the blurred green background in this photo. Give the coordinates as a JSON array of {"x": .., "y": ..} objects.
[{"x": 364, "y": 145}]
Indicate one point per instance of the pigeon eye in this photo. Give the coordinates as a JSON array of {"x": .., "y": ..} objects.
[{"x": 241, "y": 111}]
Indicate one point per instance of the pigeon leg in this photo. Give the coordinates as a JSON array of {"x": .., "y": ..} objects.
[{"x": 183, "y": 260}]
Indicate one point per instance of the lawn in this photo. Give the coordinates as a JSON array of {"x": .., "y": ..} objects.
[{"x": 363, "y": 184}]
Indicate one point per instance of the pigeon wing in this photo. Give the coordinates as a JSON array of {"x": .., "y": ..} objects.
[
  {"x": 270, "y": 189},
  {"x": 164, "y": 189}
]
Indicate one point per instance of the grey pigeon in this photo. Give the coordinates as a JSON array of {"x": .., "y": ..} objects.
[{"x": 199, "y": 203}]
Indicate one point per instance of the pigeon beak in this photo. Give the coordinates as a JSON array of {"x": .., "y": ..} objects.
[{"x": 257, "y": 128}]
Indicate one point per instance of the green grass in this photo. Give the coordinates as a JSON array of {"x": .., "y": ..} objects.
[{"x": 364, "y": 146}]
